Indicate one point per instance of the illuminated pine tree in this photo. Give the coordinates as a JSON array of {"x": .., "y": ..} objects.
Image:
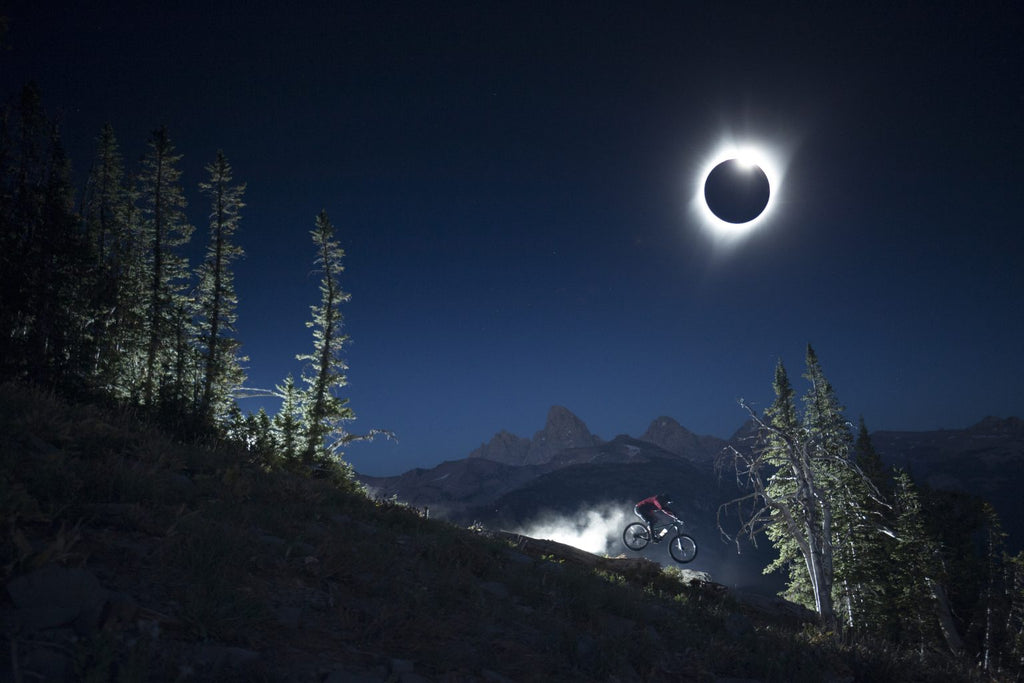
[
  {"x": 165, "y": 229},
  {"x": 104, "y": 206},
  {"x": 108, "y": 214},
  {"x": 287, "y": 422},
  {"x": 869, "y": 544},
  {"x": 786, "y": 427},
  {"x": 801, "y": 484},
  {"x": 222, "y": 369},
  {"x": 844, "y": 485},
  {"x": 324, "y": 413}
]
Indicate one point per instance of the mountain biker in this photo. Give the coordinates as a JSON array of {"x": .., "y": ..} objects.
[{"x": 650, "y": 509}]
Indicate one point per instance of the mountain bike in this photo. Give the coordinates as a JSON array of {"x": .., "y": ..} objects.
[{"x": 682, "y": 547}]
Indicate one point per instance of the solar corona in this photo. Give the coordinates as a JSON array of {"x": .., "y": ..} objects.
[{"x": 736, "y": 191}]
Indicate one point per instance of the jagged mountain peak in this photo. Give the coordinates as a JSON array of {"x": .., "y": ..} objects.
[
  {"x": 562, "y": 430},
  {"x": 667, "y": 433}
]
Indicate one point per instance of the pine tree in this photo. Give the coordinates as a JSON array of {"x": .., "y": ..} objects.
[
  {"x": 107, "y": 215},
  {"x": 871, "y": 543},
  {"x": 104, "y": 207},
  {"x": 913, "y": 566},
  {"x": 165, "y": 229},
  {"x": 323, "y": 412},
  {"x": 260, "y": 437},
  {"x": 287, "y": 422},
  {"x": 222, "y": 371},
  {"x": 782, "y": 417},
  {"x": 808, "y": 496},
  {"x": 870, "y": 462},
  {"x": 44, "y": 307}
]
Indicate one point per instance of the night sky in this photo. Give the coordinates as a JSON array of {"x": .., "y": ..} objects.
[{"x": 513, "y": 185}]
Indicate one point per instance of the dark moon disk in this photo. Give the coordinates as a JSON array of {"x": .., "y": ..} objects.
[{"x": 736, "y": 192}]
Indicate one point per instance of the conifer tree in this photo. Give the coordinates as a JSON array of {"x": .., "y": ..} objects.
[
  {"x": 914, "y": 564},
  {"x": 165, "y": 229},
  {"x": 806, "y": 494},
  {"x": 870, "y": 462},
  {"x": 260, "y": 436},
  {"x": 324, "y": 413},
  {"x": 44, "y": 309},
  {"x": 870, "y": 542},
  {"x": 782, "y": 417},
  {"x": 108, "y": 211},
  {"x": 287, "y": 422},
  {"x": 222, "y": 371},
  {"x": 104, "y": 207},
  {"x": 786, "y": 497}
]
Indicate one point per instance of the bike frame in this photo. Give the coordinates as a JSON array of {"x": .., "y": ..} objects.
[{"x": 653, "y": 528}]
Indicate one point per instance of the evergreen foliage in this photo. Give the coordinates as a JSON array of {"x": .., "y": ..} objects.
[
  {"x": 825, "y": 517},
  {"x": 45, "y": 312},
  {"x": 919, "y": 567},
  {"x": 105, "y": 301},
  {"x": 914, "y": 569},
  {"x": 108, "y": 212},
  {"x": 288, "y": 422},
  {"x": 868, "y": 544},
  {"x": 164, "y": 230},
  {"x": 222, "y": 369},
  {"x": 323, "y": 412}
]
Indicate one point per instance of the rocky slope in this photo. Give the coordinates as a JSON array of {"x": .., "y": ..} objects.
[{"x": 129, "y": 556}]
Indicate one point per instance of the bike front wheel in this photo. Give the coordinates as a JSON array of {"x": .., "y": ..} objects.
[
  {"x": 683, "y": 548},
  {"x": 636, "y": 536}
]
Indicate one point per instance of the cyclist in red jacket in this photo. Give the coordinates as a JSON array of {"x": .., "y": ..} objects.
[{"x": 650, "y": 509}]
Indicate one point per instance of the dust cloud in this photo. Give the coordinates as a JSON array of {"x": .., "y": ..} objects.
[{"x": 594, "y": 528}]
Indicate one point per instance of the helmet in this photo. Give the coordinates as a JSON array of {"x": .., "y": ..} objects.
[{"x": 665, "y": 499}]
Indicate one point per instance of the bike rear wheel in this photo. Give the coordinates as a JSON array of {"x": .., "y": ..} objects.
[
  {"x": 636, "y": 536},
  {"x": 683, "y": 548}
]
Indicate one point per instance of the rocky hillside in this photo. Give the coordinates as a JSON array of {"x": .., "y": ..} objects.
[{"x": 127, "y": 555}]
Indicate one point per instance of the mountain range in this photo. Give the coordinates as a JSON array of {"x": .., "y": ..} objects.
[{"x": 565, "y": 472}]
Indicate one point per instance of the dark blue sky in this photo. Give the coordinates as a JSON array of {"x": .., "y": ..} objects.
[{"x": 512, "y": 183}]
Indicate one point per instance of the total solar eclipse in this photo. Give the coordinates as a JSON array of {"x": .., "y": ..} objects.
[{"x": 736, "y": 191}]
